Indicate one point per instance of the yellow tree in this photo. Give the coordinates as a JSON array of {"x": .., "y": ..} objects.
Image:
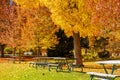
[{"x": 73, "y": 16}]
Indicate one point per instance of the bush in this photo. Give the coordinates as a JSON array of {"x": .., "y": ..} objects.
[{"x": 104, "y": 54}]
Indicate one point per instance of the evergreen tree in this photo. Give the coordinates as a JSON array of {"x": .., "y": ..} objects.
[{"x": 64, "y": 47}]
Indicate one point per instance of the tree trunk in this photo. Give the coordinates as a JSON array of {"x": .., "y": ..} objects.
[
  {"x": 2, "y": 49},
  {"x": 77, "y": 49}
]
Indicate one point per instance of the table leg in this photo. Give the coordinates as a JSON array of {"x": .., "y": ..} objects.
[
  {"x": 105, "y": 69},
  {"x": 113, "y": 68}
]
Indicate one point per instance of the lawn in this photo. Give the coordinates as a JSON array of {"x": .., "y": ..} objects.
[{"x": 10, "y": 71}]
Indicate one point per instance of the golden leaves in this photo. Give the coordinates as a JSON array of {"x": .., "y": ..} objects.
[
  {"x": 71, "y": 15},
  {"x": 28, "y": 3}
]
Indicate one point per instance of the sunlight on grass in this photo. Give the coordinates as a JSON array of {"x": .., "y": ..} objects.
[{"x": 10, "y": 71}]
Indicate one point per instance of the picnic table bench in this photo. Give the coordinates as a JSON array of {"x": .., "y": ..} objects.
[
  {"x": 102, "y": 75},
  {"x": 106, "y": 75}
]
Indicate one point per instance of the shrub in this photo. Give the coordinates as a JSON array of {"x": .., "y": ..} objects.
[{"x": 104, "y": 54}]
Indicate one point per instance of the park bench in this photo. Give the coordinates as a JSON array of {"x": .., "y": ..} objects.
[
  {"x": 102, "y": 75},
  {"x": 37, "y": 64},
  {"x": 53, "y": 65}
]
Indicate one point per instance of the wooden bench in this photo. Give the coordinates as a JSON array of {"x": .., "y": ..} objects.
[{"x": 102, "y": 75}]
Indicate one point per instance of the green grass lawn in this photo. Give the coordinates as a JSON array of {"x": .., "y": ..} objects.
[{"x": 10, "y": 71}]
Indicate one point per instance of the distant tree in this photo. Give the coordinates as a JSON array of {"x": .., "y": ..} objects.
[
  {"x": 38, "y": 29},
  {"x": 64, "y": 47},
  {"x": 84, "y": 42},
  {"x": 26, "y": 28},
  {"x": 4, "y": 24},
  {"x": 101, "y": 42},
  {"x": 106, "y": 15}
]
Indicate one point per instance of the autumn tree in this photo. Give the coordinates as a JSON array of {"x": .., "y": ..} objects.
[
  {"x": 106, "y": 14},
  {"x": 38, "y": 31},
  {"x": 4, "y": 23},
  {"x": 78, "y": 18},
  {"x": 37, "y": 27},
  {"x": 74, "y": 17}
]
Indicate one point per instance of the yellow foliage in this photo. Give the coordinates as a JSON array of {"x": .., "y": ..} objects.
[
  {"x": 28, "y": 3},
  {"x": 71, "y": 15}
]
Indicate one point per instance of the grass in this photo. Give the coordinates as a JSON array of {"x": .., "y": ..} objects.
[{"x": 10, "y": 71}]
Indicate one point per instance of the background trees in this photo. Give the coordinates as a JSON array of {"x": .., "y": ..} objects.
[
  {"x": 27, "y": 28},
  {"x": 4, "y": 23},
  {"x": 64, "y": 48},
  {"x": 78, "y": 18},
  {"x": 106, "y": 15},
  {"x": 74, "y": 18}
]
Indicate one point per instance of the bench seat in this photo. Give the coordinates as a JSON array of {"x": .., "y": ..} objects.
[
  {"x": 53, "y": 65},
  {"x": 36, "y": 64},
  {"x": 102, "y": 75}
]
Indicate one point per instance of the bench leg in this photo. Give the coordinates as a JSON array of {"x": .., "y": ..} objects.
[
  {"x": 91, "y": 77},
  {"x": 49, "y": 68},
  {"x": 81, "y": 69}
]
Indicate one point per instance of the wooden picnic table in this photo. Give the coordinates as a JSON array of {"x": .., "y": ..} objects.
[
  {"x": 106, "y": 75},
  {"x": 40, "y": 61},
  {"x": 60, "y": 62},
  {"x": 109, "y": 62}
]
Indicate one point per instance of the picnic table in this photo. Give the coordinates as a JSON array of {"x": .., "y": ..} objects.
[
  {"x": 114, "y": 63},
  {"x": 60, "y": 62},
  {"x": 40, "y": 61},
  {"x": 106, "y": 75}
]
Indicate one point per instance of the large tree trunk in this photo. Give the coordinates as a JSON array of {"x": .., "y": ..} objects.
[{"x": 77, "y": 49}]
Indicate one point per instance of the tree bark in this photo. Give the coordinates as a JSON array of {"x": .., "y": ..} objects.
[
  {"x": 2, "y": 50},
  {"x": 77, "y": 49}
]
